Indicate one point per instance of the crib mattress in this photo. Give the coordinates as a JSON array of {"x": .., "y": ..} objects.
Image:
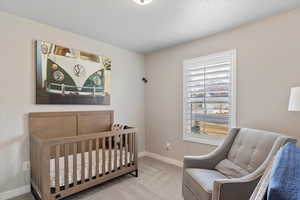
[{"x": 86, "y": 165}]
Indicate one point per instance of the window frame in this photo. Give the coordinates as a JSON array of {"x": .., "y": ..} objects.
[{"x": 202, "y": 138}]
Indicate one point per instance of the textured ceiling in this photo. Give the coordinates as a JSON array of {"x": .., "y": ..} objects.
[{"x": 143, "y": 29}]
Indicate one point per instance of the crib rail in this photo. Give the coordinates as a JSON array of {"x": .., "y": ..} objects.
[{"x": 64, "y": 166}]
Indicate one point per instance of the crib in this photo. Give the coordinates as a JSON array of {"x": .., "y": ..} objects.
[{"x": 73, "y": 151}]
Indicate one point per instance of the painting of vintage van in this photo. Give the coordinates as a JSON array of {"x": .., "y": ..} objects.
[{"x": 68, "y": 76}]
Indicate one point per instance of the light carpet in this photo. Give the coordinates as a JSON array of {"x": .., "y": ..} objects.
[{"x": 156, "y": 181}]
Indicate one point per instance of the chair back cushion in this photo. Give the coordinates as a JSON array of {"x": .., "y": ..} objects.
[{"x": 248, "y": 151}]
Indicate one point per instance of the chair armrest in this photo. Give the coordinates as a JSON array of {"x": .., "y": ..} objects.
[
  {"x": 203, "y": 162},
  {"x": 212, "y": 159}
]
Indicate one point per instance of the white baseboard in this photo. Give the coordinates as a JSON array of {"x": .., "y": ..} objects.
[
  {"x": 163, "y": 159},
  {"x": 142, "y": 154},
  {"x": 15, "y": 192}
]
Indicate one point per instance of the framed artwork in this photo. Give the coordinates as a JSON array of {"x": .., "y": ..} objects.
[{"x": 68, "y": 76}]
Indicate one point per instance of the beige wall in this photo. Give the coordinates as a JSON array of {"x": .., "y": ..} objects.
[
  {"x": 17, "y": 88},
  {"x": 268, "y": 64}
]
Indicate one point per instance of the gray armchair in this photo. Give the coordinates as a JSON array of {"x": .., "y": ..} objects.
[{"x": 232, "y": 171}]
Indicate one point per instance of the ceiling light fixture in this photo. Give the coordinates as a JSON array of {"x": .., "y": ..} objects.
[{"x": 142, "y": 2}]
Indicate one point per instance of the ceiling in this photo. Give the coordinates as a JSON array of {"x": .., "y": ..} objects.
[{"x": 143, "y": 29}]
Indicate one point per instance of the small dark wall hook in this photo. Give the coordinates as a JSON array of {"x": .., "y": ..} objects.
[{"x": 144, "y": 80}]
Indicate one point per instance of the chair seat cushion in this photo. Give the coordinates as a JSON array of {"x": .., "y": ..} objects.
[{"x": 201, "y": 181}]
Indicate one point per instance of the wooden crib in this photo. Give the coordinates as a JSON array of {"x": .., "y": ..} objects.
[{"x": 73, "y": 151}]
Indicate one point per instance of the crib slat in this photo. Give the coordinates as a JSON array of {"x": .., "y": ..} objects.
[
  {"x": 39, "y": 175},
  {"x": 38, "y": 168},
  {"x": 66, "y": 166},
  {"x": 75, "y": 163},
  {"x": 121, "y": 151},
  {"x": 90, "y": 159},
  {"x": 126, "y": 150},
  {"x": 33, "y": 159},
  {"x": 57, "y": 155},
  {"x": 130, "y": 148},
  {"x": 38, "y": 178},
  {"x": 97, "y": 157},
  {"x": 109, "y": 154},
  {"x": 133, "y": 149},
  {"x": 82, "y": 161},
  {"x": 103, "y": 156},
  {"x": 115, "y": 152},
  {"x": 40, "y": 164}
]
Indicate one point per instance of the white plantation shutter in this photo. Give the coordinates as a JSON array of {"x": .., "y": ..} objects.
[{"x": 209, "y": 94}]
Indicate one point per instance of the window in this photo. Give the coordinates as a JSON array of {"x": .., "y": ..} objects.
[{"x": 209, "y": 97}]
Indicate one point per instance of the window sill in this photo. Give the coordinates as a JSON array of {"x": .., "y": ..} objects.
[{"x": 209, "y": 141}]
